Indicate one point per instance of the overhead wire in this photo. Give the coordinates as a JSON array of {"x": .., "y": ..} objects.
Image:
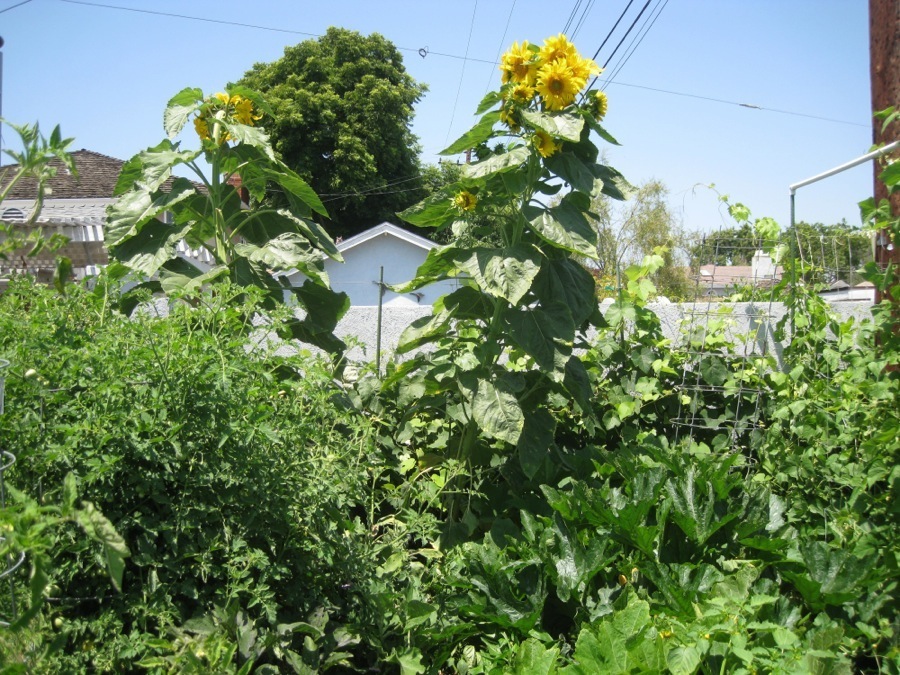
[
  {"x": 466, "y": 58},
  {"x": 18, "y": 4},
  {"x": 642, "y": 33},
  {"x": 609, "y": 58},
  {"x": 492, "y": 74},
  {"x": 571, "y": 16},
  {"x": 462, "y": 74},
  {"x": 587, "y": 10}
]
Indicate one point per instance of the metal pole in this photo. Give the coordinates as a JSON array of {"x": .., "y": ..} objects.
[
  {"x": 1, "y": 100},
  {"x": 378, "y": 334}
]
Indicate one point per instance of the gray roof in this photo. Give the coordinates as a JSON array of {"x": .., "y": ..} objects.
[{"x": 97, "y": 176}]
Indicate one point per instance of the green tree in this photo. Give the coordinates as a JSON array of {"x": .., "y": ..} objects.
[
  {"x": 342, "y": 107},
  {"x": 627, "y": 232}
]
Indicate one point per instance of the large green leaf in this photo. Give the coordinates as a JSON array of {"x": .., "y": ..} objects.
[
  {"x": 571, "y": 169},
  {"x": 285, "y": 252},
  {"x": 498, "y": 163},
  {"x": 148, "y": 249},
  {"x": 150, "y": 168},
  {"x": 694, "y": 506},
  {"x": 440, "y": 263},
  {"x": 497, "y": 412},
  {"x": 179, "y": 275},
  {"x": 503, "y": 273},
  {"x": 566, "y": 281},
  {"x": 131, "y": 211},
  {"x": 618, "y": 645},
  {"x": 614, "y": 183},
  {"x": 423, "y": 330},
  {"x": 179, "y": 109},
  {"x": 565, "y": 227},
  {"x": 545, "y": 333},
  {"x": 262, "y": 226},
  {"x": 559, "y": 125},
  {"x": 434, "y": 211},
  {"x": 324, "y": 307},
  {"x": 578, "y": 384},
  {"x": 467, "y": 302},
  {"x": 98, "y": 528},
  {"x": 478, "y": 134},
  {"x": 255, "y": 136},
  {"x": 298, "y": 187},
  {"x": 536, "y": 439},
  {"x": 533, "y": 658}
]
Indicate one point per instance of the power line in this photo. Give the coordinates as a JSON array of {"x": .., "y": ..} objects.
[
  {"x": 571, "y": 16},
  {"x": 642, "y": 33},
  {"x": 502, "y": 44},
  {"x": 587, "y": 10},
  {"x": 463, "y": 58},
  {"x": 421, "y": 51},
  {"x": 742, "y": 105},
  {"x": 18, "y": 4},
  {"x": 463, "y": 72},
  {"x": 612, "y": 30}
]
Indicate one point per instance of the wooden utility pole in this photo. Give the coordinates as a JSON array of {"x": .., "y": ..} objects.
[{"x": 884, "y": 59}]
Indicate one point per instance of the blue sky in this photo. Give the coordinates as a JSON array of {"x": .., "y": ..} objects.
[{"x": 105, "y": 75}]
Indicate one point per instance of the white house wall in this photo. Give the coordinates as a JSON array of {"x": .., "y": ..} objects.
[{"x": 358, "y": 275}]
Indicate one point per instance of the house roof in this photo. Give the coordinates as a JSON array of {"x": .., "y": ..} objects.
[
  {"x": 97, "y": 176},
  {"x": 735, "y": 275},
  {"x": 385, "y": 230}
]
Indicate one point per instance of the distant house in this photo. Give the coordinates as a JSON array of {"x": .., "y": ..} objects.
[
  {"x": 384, "y": 247},
  {"x": 841, "y": 291},
  {"x": 74, "y": 207},
  {"x": 722, "y": 280}
]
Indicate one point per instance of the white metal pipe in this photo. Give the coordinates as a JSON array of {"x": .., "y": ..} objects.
[{"x": 890, "y": 147}]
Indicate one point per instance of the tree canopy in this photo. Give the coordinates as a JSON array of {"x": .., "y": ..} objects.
[
  {"x": 628, "y": 232},
  {"x": 343, "y": 105}
]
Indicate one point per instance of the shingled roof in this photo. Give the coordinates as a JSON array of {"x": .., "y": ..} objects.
[{"x": 97, "y": 175}]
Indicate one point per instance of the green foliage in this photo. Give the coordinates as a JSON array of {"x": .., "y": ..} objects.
[
  {"x": 36, "y": 164},
  {"x": 249, "y": 246},
  {"x": 235, "y": 490},
  {"x": 628, "y": 232},
  {"x": 342, "y": 106}
]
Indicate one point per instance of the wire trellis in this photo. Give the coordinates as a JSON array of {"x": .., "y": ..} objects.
[{"x": 13, "y": 561}]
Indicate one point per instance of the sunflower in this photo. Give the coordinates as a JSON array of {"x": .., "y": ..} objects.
[
  {"x": 202, "y": 128},
  {"x": 557, "y": 84},
  {"x": 223, "y": 97},
  {"x": 465, "y": 201},
  {"x": 243, "y": 110},
  {"x": 545, "y": 144},
  {"x": 510, "y": 117},
  {"x": 522, "y": 94},
  {"x": 517, "y": 65},
  {"x": 584, "y": 68},
  {"x": 599, "y": 105},
  {"x": 556, "y": 48}
]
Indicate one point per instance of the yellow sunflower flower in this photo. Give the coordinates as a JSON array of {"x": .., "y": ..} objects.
[
  {"x": 465, "y": 201},
  {"x": 545, "y": 144},
  {"x": 558, "y": 85},
  {"x": 517, "y": 65},
  {"x": 599, "y": 105},
  {"x": 243, "y": 110},
  {"x": 202, "y": 128},
  {"x": 556, "y": 48},
  {"x": 509, "y": 117},
  {"x": 223, "y": 97},
  {"x": 522, "y": 94},
  {"x": 584, "y": 68}
]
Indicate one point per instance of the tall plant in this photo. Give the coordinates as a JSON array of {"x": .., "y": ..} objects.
[
  {"x": 504, "y": 341},
  {"x": 249, "y": 243}
]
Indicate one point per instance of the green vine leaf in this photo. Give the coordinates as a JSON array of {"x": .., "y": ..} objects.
[{"x": 497, "y": 412}]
